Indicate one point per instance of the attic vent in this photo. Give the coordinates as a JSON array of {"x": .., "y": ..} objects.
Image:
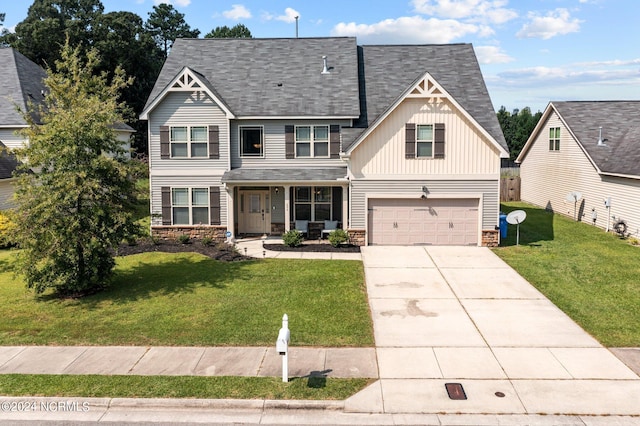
[
  {"x": 601, "y": 142},
  {"x": 325, "y": 67}
]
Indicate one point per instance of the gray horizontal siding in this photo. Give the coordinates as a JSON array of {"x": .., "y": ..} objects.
[
  {"x": 187, "y": 109},
  {"x": 274, "y": 149},
  {"x": 10, "y": 138},
  {"x": 6, "y": 194},
  {"x": 157, "y": 182},
  {"x": 488, "y": 188}
]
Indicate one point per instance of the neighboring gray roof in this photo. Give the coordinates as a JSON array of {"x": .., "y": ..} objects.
[
  {"x": 283, "y": 175},
  {"x": 620, "y": 121},
  {"x": 8, "y": 163},
  {"x": 21, "y": 82},
  {"x": 389, "y": 70},
  {"x": 271, "y": 77}
]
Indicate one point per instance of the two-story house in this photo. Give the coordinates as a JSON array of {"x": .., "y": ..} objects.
[{"x": 399, "y": 144}]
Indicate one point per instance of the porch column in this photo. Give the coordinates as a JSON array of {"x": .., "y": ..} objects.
[
  {"x": 345, "y": 208},
  {"x": 231, "y": 220},
  {"x": 287, "y": 203}
]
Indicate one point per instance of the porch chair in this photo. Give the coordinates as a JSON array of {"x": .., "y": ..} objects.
[
  {"x": 329, "y": 225},
  {"x": 302, "y": 226}
]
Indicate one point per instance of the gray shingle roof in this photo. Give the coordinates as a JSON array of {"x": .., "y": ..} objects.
[
  {"x": 620, "y": 121},
  {"x": 389, "y": 70},
  {"x": 271, "y": 77},
  {"x": 22, "y": 81},
  {"x": 281, "y": 175}
]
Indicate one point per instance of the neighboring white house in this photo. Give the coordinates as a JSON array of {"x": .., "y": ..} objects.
[
  {"x": 590, "y": 147},
  {"x": 22, "y": 83},
  {"x": 399, "y": 144}
]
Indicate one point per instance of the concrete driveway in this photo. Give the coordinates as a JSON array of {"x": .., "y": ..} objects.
[{"x": 460, "y": 314}]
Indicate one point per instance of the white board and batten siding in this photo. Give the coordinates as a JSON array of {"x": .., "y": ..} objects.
[
  {"x": 186, "y": 109},
  {"x": 274, "y": 156},
  {"x": 547, "y": 177},
  {"x": 466, "y": 178}
]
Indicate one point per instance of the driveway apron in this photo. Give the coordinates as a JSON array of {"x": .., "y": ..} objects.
[{"x": 461, "y": 315}]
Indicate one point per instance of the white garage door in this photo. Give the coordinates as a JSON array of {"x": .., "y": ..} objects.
[{"x": 416, "y": 221}]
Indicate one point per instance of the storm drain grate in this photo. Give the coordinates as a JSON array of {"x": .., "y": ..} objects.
[{"x": 455, "y": 391}]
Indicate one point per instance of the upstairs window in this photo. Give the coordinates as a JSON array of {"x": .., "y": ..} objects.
[
  {"x": 251, "y": 141},
  {"x": 424, "y": 140},
  {"x": 312, "y": 141},
  {"x": 189, "y": 142},
  {"x": 554, "y": 139}
]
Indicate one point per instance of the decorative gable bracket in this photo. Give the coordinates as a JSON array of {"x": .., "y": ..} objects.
[{"x": 426, "y": 89}]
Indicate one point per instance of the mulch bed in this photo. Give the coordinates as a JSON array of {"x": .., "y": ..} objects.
[
  {"x": 223, "y": 252},
  {"x": 317, "y": 248}
]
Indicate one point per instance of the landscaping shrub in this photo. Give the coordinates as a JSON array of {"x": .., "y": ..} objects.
[
  {"x": 292, "y": 238},
  {"x": 5, "y": 226},
  {"x": 338, "y": 236},
  {"x": 207, "y": 241},
  {"x": 184, "y": 239}
]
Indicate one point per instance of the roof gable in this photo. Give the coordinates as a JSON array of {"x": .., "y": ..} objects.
[
  {"x": 187, "y": 80},
  {"x": 426, "y": 88},
  {"x": 21, "y": 82},
  {"x": 620, "y": 122},
  {"x": 388, "y": 71},
  {"x": 271, "y": 77}
]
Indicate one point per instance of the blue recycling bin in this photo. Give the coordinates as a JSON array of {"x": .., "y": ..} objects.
[{"x": 503, "y": 225}]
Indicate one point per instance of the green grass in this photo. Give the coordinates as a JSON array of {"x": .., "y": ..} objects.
[
  {"x": 307, "y": 388},
  {"x": 589, "y": 274},
  {"x": 191, "y": 300}
]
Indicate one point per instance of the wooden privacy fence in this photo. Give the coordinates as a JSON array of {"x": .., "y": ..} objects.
[{"x": 510, "y": 188}]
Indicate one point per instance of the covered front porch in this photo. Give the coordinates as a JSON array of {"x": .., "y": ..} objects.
[{"x": 269, "y": 202}]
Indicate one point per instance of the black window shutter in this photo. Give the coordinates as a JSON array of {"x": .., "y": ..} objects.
[
  {"x": 214, "y": 142},
  {"x": 166, "y": 205},
  {"x": 334, "y": 141},
  {"x": 214, "y": 204},
  {"x": 438, "y": 139},
  {"x": 164, "y": 142},
  {"x": 289, "y": 142},
  {"x": 410, "y": 140}
]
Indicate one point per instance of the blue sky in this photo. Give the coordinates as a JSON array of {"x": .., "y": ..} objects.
[{"x": 530, "y": 51}]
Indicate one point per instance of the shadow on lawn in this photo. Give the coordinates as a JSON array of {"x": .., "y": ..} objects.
[
  {"x": 171, "y": 276},
  {"x": 537, "y": 227}
]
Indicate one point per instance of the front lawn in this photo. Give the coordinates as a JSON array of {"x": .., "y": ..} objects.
[
  {"x": 188, "y": 299},
  {"x": 589, "y": 274}
]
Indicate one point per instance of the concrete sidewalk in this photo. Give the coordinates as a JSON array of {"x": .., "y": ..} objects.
[{"x": 187, "y": 361}]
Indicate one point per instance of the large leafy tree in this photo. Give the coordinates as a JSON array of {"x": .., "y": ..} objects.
[
  {"x": 237, "y": 31},
  {"x": 166, "y": 24},
  {"x": 517, "y": 127},
  {"x": 74, "y": 195},
  {"x": 49, "y": 23}
]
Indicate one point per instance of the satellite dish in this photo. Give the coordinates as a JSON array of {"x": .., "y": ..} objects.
[
  {"x": 516, "y": 217},
  {"x": 573, "y": 197}
]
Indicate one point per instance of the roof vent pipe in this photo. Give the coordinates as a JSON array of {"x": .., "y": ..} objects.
[
  {"x": 325, "y": 67},
  {"x": 601, "y": 142}
]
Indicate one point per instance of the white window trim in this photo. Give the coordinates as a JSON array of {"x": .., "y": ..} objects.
[
  {"x": 311, "y": 141},
  {"x": 188, "y": 141},
  {"x": 262, "y": 142},
  {"x": 191, "y": 206},
  {"x": 432, "y": 141},
  {"x": 313, "y": 201}
]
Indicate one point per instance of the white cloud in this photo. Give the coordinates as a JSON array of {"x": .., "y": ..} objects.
[
  {"x": 237, "y": 12},
  {"x": 414, "y": 29},
  {"x": 289, "y": 15},
  {"x": 492, "y": 55},
  {"x": 491, "y": 11},
  {"x": 554, "y": 23}
]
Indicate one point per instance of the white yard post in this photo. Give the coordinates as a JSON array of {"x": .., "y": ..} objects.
[{"x": 282, "y": 347}]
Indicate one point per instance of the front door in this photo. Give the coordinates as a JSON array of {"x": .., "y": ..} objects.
[{"x": 255, "y": 212}]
